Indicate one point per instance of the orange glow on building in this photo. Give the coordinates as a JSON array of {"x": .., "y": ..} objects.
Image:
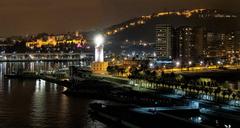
[{"x": 53, "y": 41}]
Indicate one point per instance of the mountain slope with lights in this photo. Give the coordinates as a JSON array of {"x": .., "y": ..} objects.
[{"x": 143, "y": 28}]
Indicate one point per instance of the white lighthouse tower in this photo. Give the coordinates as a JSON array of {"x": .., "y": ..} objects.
[
  {"x": 99, "y": 44},
  {"x": 99, "y": 66}
]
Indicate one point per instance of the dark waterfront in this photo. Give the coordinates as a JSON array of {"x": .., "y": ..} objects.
[
  {"x": 37, "y": 103},
  {"x": 32, "y": 103}
]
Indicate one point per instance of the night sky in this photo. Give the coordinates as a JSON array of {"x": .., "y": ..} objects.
[{"x": 19, "y": 17}]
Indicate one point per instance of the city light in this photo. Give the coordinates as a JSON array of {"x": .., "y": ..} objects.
[
  {"x": 54, "y": 41},
  {"x": 151, "y": 65},
  {"x": 190, "y": 63},
  {"x": 177, "y": 64},
  {"x": 31, "y": 56},
  {"x": 98, "y": 40},
  {"x": 185, "y": 67},
  {"x": 143, "y": 19}
]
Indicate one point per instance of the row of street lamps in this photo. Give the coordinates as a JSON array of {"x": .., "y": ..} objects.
[{"x": 178, "y": 63}]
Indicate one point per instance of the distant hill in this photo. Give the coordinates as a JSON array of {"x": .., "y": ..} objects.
[{"x": 143, "y": 28}]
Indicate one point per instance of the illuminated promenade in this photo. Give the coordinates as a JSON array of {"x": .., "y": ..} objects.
[
  {"x": 201, "y": 68},
  {"x": 21, "y": 57}
]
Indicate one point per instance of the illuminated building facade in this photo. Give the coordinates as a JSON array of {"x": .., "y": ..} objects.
[
  {"x": 191, "y": 43},
  {"x": 237, "y": 46},
  {"x": 53, "y": 41},
  {"x": 164, "y": 38},
  {"x": 222, "y": 46}
]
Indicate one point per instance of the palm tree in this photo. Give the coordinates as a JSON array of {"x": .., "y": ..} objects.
[
  {"x": 234, "y": 95},
  {"x": 206, "y": 90},
  {"x": 210, "y": 90},
  {"x": 163, "y": 74},
  {"x": 202, "y": 88},
  {"x": 217, "y": 91},
  {"x": 238, "y": 94},
  {"x": 229, "y": 92},
  {"x": 111, "y": 70},
  {"x": 198, "y": 89},
  {"x": 183, "y": 87},
  {"x": 191, "y": 88},
  {"x": 122, "y": 70},
  {"x": 174, "y": 82},
  {"x": 134, "y": 74},
  {"x": 172, "y": 75},
  {"x": 153, "y": 77},
  {"x": 224, "y": 93},
  {"x": 146, "y": 74}
]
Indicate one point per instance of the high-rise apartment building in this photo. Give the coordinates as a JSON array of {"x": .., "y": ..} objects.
[{"x": 164, "y": 39}]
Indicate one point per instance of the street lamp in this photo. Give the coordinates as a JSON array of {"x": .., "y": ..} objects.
[
  {"x": 201, "y": 63},
  {"x": 177, "y": 64},
  {"x": 151, "y": 65},
  {"x": 190, "y": 63},
  {"x": 220, "y": 64}
]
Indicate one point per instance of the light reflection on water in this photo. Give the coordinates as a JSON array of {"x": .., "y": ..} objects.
[
  {"x": 7, "y": 68},
  {"x": 30, "y": 103}
]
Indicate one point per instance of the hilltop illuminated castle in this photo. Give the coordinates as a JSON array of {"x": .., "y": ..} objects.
[{"x": 55, "y": 40}]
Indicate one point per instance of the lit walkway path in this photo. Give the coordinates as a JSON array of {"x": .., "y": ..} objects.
[{"x": 226, "y": 111}]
